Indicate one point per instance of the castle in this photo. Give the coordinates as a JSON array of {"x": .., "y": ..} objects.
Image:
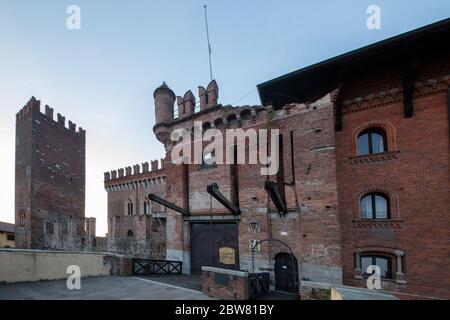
[
  {"x": 363, "y": 176},
  {"x": 359, "y": 182},
  {"x": 50, "y": 182}
]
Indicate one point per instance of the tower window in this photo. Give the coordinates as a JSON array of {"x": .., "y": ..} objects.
[
  {"x": 147, "y": 207},
  {"x": 375, "y": 206},
  {"x": 130, "y": 234},
  {"x": 130, "y": 207},
  {"x": 371, "y": 141},
  {"x": 22, "y": 218}
]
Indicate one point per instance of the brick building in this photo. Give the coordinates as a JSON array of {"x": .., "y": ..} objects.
[
  {"x": 363, "y": 176},
  {"x": 136, "y": 225},
  {"x": 50, "y": 182},
  {"x": 7, "y": 236}
]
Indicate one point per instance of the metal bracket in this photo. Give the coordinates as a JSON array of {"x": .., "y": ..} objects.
[
  {"x": 213, "y": 190},
  {"x": 272, "y": 189},
  {"x": 164, "y": 202}
]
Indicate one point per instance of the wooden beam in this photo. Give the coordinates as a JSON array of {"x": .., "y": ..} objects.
[
  {"x": 448, "y": 110},
  {"x": 338, "y": 124},
  {"x": 234, "y": 176},
  {"x": 272, "y": 189},
  {"x": 186, "y": 186},
  {"x": 164, "y": 202},
  {"x": 408, "y": 91},
  {"x": 213, "y": 190},
  {"x": 339, "y": 106}
]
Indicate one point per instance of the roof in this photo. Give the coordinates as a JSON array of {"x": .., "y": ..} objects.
[
  {"x": 6, "y": 227},
  {"x": 409, "y": 45}
]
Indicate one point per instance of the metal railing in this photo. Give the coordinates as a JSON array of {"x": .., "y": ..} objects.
[{"x": 152, "y": 267}]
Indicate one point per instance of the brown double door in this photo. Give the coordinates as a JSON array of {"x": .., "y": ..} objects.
[{"x": 214, "y": 245}]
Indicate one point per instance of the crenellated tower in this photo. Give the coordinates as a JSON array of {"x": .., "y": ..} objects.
[{"x": 49, "y": 180}]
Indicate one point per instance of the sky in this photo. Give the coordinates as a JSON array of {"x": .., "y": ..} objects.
[{"x": 102, "y": 76}]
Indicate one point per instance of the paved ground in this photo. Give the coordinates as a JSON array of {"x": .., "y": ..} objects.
[
  {"x": 193, "y": 281},
  {"x": 99, "y": 288}
]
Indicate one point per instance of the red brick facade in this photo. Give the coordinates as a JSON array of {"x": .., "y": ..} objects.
[
  {"x": 413, "y": 173},
  {"x": 398, "y": 87},
  {"x": 136, "y": 225},
  {"x": 50, "y": 182}
]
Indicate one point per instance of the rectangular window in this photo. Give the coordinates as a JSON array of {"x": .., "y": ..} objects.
[
  {"x": 384, "y": 263},
  {"x": 10, "y": 237},
  {"x": 49, "y": 227}
]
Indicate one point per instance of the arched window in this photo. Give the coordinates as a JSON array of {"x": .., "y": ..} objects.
[
  {"x": 384, "y": 262},
  {"x": 130, "y": 234},
  {"x": 375, "y": 206},
  {"x": 147, "y": 207},
  {"x": 130, "y": 207},
  {"x": 372, "y": 140},
  {"x": 22, "y": 218}
]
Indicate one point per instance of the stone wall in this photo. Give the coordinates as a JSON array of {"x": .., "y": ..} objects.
[
  {"x": 225, "y": 284},
  {"x": 34, "y": 265}
]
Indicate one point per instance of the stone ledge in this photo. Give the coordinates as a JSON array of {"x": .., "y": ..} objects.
[
  {"x": 226, "y": 271},
  {"x": 377, "y": 223},
  {"x": 375, "y": 157}
]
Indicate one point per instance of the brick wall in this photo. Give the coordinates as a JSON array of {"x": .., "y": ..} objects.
[
  {"x": 225, "y": 284},
  {"x": 50, "y": 174},
  {"x": 414, "y": 173},
  {"x": 141, "y": 233}
]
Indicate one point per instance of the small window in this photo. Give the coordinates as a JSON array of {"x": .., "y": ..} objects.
[
  {"x": 64, "y": 228},
  {"x": 130, "y": 207},
  {"x": 384, "y": 262},
  {"x": 49, "y": 227},
  {"x": 375, "y": 206},
  {"x": 130, "y": 234},
  {"x": 155, "y": 225},
  {"x": 10, "y": 237},
  {"x": 371, "y": 141},
  {"x": 22, "y": 218},
  {"x": 147, "y": 207}
]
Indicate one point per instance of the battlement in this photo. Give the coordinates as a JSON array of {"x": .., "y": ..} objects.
[
  {"x": 209, "y": 97},
  {"x": 33, "y": 108},
  {"x": 165, "y": 113},
  {"x": 153, "y": 166}
]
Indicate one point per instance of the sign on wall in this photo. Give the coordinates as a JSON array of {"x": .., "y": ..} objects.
[
  {"x": 255, "y": 245},
  {"x": 227, "y": 255}
]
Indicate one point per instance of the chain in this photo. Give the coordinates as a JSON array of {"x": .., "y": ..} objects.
[{"x": 253, "y": 259}]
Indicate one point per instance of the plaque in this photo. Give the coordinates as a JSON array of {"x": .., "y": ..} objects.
[{"x": 227, "y": 255}]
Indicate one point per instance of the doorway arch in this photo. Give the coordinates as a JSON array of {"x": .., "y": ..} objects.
[{"x": 286, "y": 272}]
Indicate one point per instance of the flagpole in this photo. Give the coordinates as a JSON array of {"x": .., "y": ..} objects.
[{"x": 209, "y": 45}]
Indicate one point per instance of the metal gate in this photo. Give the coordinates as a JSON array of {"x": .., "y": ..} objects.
[{"x": 215, "y": 245}]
